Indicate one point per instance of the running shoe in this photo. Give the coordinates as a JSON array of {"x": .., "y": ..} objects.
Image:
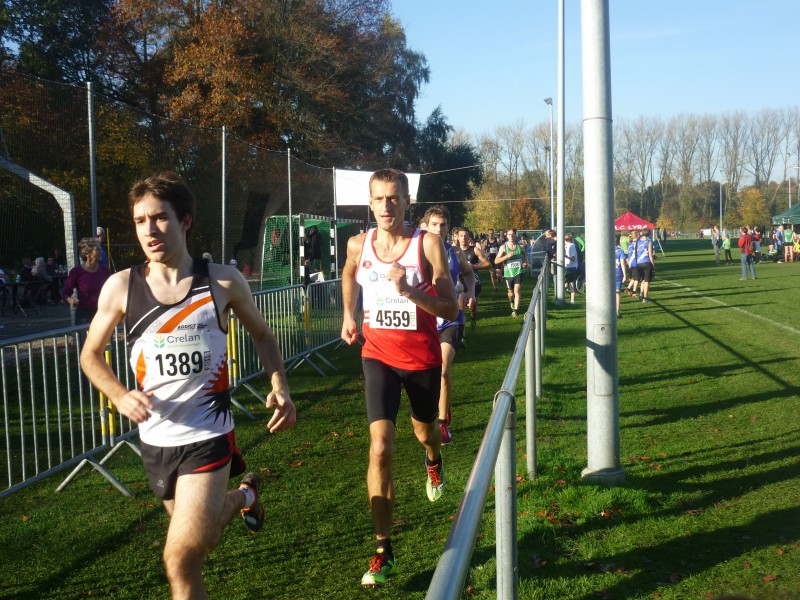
[
  {"x": 446, "y": 437},
  {"x": 381, "y": 567},
  {"x": 513, "y": 314},
  {"x": 253, "y": 516},
  {"x": 435, "y": 483}
]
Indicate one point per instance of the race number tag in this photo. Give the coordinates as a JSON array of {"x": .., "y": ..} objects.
[
  {"x": 394, "y": 313},
  {"x": 176, "y": 356}
]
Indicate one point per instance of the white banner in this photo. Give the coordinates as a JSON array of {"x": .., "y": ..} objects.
[{"x": 352, "y": 187}]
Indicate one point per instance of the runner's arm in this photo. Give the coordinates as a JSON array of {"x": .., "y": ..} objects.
[
  {"x": 350, "y": 289},
  {"x": 468, "y": 277},
  {"x": 444, "y": 304},
  {"x": 501, "y": 257},
  {"x": 484, "y": 263},
  {"x": 133, "y": 404},
  {"x": 240, "y": 300}
]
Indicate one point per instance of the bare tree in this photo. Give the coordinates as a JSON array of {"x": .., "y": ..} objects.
[
  {"x": 687, "y": 136},
  {"x": 734, "y": 133},
  {"x": 707, "y": 144},
  {"x": 510, "y": 140},
  {"x": 573, "y": 173},
  {"x": 763, "y": 145},
  {"x": 645, "y": 136},
  {"x": 623, "y": 164}
]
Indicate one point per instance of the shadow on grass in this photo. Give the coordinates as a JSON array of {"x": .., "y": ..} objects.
[
  {"x": 651, "y": 567},
  {"x": 83, "y": 554}
]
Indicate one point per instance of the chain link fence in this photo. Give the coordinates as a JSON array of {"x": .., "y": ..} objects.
[{"x": 95, "y": 147}]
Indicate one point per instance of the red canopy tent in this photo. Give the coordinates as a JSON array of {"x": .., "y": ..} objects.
[{"x": 630, "y": 222}]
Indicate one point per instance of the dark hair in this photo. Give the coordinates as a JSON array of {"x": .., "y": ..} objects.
[
  {"x": 168, "y": 187},
  {"x": 436, "y": 211},
  {"x": 390, "y": 176}
]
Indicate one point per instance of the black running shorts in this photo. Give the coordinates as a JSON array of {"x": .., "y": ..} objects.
[
  {"x": 164, "y": 464},
  {"x": 452, "y": 335},
  {"x": 383, "y": 383},
  {"x": 645, "y": 271}
]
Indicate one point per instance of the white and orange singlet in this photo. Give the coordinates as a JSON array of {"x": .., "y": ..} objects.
[{"x": 179, "y": 353}]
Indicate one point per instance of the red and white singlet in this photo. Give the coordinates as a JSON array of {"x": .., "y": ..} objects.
[{"x": 398, "y": 333}]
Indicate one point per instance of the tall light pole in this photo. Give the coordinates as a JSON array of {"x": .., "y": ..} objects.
[
  {"x": 721, "y": 183},
  {"x": 790, "y": 184},
  {"x": 549, "y": 102}
]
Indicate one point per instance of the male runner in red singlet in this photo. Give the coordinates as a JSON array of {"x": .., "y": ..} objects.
[
  {"x": 406, "y": 283},
  {"x": 175, "y": 309}
]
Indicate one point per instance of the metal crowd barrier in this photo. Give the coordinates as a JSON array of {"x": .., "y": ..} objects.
[
  {"x": 282, "y": 309},
  {"x": 52, "y": 418},
  {"x": 498, "y": 453}
]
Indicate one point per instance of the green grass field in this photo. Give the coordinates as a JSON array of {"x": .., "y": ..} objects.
[{"x": 709, "y": 405}]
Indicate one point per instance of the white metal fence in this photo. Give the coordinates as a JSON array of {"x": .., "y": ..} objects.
[{"x": 497, "y": 454}]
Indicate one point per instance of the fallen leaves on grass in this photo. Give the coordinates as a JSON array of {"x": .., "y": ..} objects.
[
  {"x": 780, "y": 551},
  {"x": 26, "y": 518},
  {"x": 693, "y": 512},
  {"x": 296, "y": 463},
  {"x": 770, "y": 577},
  {"x": 537, "y": 562},
  {"x": 554, "y": 517},
  {"x": 611, "y": 513},
  {"x": 746, "y": 566},
  {"x": 606, "y": 568}
]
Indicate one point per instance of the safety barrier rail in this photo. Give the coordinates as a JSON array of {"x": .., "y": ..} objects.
[
  {"x": 52, "y": 418},
  {"x": 497, "y": 452}
]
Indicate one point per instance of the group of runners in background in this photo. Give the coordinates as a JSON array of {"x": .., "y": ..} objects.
[{"x": 635, "y": 262}]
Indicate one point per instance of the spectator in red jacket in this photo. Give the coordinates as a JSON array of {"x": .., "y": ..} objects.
[{"x": 747, "y": 246}]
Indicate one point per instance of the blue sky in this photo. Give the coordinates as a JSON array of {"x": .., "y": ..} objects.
[{"x": 494, "y": 61}]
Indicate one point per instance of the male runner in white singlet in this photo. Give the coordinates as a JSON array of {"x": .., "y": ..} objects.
[
  {"x": 175, "y": 309},
  {"x": 406, "y": 283}
]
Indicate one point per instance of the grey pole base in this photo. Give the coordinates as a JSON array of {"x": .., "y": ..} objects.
[{"x": 606, "y": 477}]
